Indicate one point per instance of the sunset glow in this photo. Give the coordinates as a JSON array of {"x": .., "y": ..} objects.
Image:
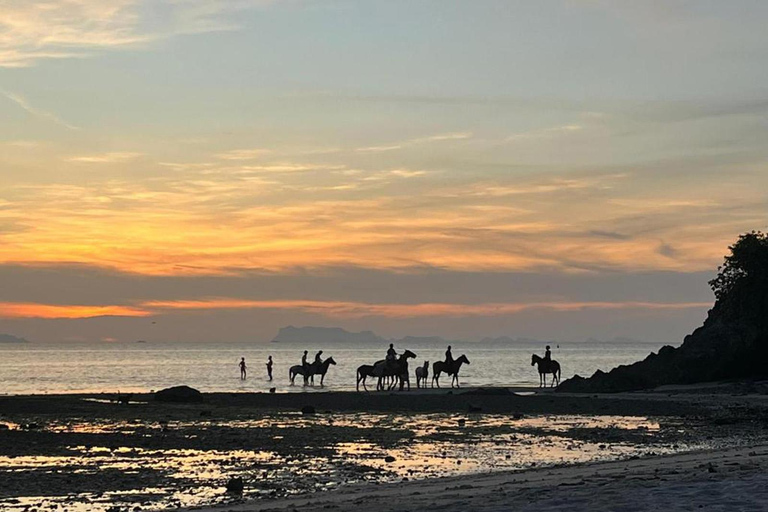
[{"x": 166, "y": 146}]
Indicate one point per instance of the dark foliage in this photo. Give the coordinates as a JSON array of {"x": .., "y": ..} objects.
[
  {"x": 732, "y": 343},
  {"x": 747, "y": 262}
]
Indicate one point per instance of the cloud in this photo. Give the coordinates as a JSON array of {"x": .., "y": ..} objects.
[
  {"x": 341, "y": 309},
  {"x": 414, "y": 142},
  {"x": 243, "y": 154},
  {"x": 35, "y": 30},
  {"x": 48, "y": 311},
  {"x": 106, "y": 158},
  {"x": 22, "y": 102}
]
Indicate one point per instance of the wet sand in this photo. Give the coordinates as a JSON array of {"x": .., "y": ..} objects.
[
  {"x": 86, "y": 452},
  {"x": 727, "y": 480}
]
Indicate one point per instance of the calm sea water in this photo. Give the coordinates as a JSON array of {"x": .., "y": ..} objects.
[{"x": 68, "y": 368}]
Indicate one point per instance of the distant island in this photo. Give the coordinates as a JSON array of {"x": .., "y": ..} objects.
[
  {"x": 324, "y": 335},
  {"x": 7, "y": 338},
  {"x": 293, "y": 334}
]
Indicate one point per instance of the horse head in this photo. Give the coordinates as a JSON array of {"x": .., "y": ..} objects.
[
  {"x": 408, "y": 354},
  {"x": 330, "y": 361},
  {"x": 534, "y": 359},
  {"x": 426, "y": 364},
  {"x": 463, "y": 359}
]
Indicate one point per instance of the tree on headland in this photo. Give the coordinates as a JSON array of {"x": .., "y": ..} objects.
[
  {"x": 748, "y": 261},
  {"x": 732, "y": 343},
  {"x": 741, "y": 285}
]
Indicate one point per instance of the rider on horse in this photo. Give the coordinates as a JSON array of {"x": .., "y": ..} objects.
[
  {"x": 304, "y": 363},
  {"x": 318, "y": 359},
  {"x": 449, "y": 357},
  {"x": 391, "y": 355}
]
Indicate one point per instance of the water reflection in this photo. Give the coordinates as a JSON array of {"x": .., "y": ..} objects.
[{"x": 358, "y": 447}]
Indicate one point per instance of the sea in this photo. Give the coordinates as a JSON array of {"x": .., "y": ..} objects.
[{"x": 34, "y": 368}]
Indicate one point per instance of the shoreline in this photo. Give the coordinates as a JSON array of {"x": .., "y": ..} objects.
[
  {"x": 683, "y": 481},
  {"x": 291, "y": 458}
]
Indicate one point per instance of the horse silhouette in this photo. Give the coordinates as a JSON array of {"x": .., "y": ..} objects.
[
  {"x": 363, "y": 372},
  {"x": 312, "y": 370},
  {"x": 397, "y": 369},
  {"x": 422, "y": 372},
  {"x": 546, "y": 367},
  {"x": 451, "y": 369}
]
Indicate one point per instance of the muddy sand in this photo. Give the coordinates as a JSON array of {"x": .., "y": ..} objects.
[{"x": 481, "y": 449}]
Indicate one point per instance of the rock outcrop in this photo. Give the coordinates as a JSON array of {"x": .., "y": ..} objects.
[
  {"x": 732, "y": 343},
  {"x": 179, "y": 394}
]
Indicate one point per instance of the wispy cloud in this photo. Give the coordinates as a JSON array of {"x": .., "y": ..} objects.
[
  {"x": 414, "y": 142},
  {"x": 22, "y": 102},
  {"x": 34, "y": 30},
  {"x": 106, "y": 158},
  {"x": 396, "y": 310},
  {"x": 49, "y": 311},
  {"x": 243, "y": 154}
]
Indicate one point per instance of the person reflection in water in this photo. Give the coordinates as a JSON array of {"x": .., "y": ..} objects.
[
  {"x": 269, "y": 367},
  {"x": 242, "y": 368}
]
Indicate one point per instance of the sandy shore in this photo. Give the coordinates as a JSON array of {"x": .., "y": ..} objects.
[
  {"x": 58, "y": 451},
  {"x": 719, "y": 480}
]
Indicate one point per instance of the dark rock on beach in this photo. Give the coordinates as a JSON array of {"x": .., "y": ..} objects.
[
  {"x": 179, "y": 394},
  {"x": 732, "y": 343}
]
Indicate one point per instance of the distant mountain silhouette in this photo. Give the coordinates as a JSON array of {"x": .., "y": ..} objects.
[
  {"x": 321, "y": 335},
  {"x": 7, "y": 338}
]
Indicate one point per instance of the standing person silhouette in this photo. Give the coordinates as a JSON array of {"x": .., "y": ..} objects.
[
  {"x": 269, "y": 367},
  {"x": 448, "y": 357},
  {"x": 242, "y": 368}
]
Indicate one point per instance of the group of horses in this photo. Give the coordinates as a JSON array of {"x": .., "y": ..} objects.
[{"x": 390, "y": 374}]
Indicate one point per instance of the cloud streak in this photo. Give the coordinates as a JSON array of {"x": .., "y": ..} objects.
[
  {"x": 35, "y": 30},
  {"x": 329, "y": 309},
  {"x": 22, "y": 102}
]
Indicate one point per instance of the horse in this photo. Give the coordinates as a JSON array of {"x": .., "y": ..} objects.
[
  {"x": 320, "y": 370},
  {"x": 396, "y": 369},
  {"x": 312, "y": 370},
  {"x": 363, "y": 372},
  {"x": 422, "y": 372},
  {"x": 546, "y": 367},
  {"x": 439, "y": 367}
]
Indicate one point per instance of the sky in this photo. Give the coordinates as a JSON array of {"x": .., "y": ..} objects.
[{"x": 201, "y": 170}]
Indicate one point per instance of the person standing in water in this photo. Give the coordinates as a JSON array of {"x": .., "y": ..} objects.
[
  {"x": 242, "y": 368},
  {"x": 269, "y": 367}
]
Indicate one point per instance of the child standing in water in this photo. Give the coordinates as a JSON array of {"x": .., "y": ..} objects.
[
  {"x": 269, "y": 367},
  {"x": 242, "y": 368}
]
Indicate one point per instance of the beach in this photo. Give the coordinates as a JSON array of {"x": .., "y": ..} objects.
[
  {"x": 732, "y": 479},
  {"x": 469, "y": 449}
]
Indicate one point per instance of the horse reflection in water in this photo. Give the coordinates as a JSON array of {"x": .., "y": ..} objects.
[
  {"x": 450, "y": 368},
  {"x": 310, "y": 372},
  {"x": 546, "y": 366}
]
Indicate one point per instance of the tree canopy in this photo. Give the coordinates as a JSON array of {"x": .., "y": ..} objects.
[{"x": 747, "y": 263}]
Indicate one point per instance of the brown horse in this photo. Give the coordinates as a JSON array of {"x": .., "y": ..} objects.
[{"x": 546, "y": 367}]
